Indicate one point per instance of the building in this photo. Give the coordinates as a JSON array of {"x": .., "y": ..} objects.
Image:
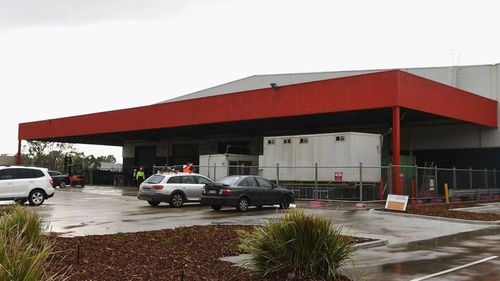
[{"x": 443, "y": 115}]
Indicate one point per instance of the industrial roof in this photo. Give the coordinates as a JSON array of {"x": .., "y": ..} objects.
[{"x": 352, "y": 93}]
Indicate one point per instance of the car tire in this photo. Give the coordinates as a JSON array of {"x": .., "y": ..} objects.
[
  {"x": 243, "y": 204},
  {"x": 36, "y": 197},
  {"x": 176, "y": 200},
  {"x": 285, "y": 202},
  {"x": 62, "y": 184},
  {"x": 216, "y": 207},
  {"x": 154, "y": 203}
]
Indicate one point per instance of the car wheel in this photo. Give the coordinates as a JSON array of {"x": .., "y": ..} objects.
[
  {"x": 62, "y": 184},
  {"x": 176, "y": 200},
  {"x": 216, "y": 207},
  {"x": 154, "y": 203},
  {"x": 36, "y": 197},
  {"x": 285, "y": 203},
  {"x": 242, "y": 205}
]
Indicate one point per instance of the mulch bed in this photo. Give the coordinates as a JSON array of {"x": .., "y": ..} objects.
[
  {"x": 445, "y": 210},
  {"x": 187, "y": 253}
]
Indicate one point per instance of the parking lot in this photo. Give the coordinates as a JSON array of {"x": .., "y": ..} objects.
[{"x": 415, "y": 246}]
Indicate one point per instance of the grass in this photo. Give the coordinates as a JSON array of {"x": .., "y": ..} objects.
[
  {"x": 23, "y": 247},
  {"x": 297, "y": 246}
]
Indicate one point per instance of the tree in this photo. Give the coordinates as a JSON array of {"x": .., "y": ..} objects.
[{"x": 46, "y": 154}]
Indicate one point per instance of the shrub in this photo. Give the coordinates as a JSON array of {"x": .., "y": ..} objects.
[
  {"x": 297, "y": 246},
  {"x": 23, "y": 248}
]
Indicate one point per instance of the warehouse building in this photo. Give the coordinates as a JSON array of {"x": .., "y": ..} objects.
[{"x": 441, "y": 115}]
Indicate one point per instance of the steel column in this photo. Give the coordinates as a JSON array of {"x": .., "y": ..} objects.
[
  {"x": 396, "y": 160},
  {"x": 18, "y": 159}
]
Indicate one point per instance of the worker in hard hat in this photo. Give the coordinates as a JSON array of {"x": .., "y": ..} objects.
[
  {"x": 188, "y": 168},
  {"x": 140, "y": 176}
]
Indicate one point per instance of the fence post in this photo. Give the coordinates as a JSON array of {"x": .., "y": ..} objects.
[
  {"x": 215, "y": 171},
  {"x": 436, "y": 181},
  {"x": 454, "y": 177},
  {"x": 316, "y": 179},
  {"x": 495, "y": 178},
  {"x": 389, "y": 178},
  {"x": 470, "y": 177},
  {"x": 486, "y": 178},
  {"x": 277, "y": 174},
  {"x": 360, "y": 182},
  {"x": 416, "y": 180}
]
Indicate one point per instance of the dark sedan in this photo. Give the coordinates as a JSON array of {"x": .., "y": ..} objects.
[
  {"x": 244, "y": 191},
  {"x": 59, "y": 179}
]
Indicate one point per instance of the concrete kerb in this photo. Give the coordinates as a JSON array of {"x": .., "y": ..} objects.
[{"x": 436, "y": 218}]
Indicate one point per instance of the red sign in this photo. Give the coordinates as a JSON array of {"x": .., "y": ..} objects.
[{"x": 338, "y": 176}]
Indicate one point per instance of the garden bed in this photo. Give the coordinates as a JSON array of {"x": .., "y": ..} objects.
[
  {"x": 449, "y": 210},
  {"x": 190, "y": 253}
]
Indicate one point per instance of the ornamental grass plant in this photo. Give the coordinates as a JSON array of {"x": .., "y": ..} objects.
[
  {"x": 297, "y": 246},
  {"x": 23, "y": 247}
]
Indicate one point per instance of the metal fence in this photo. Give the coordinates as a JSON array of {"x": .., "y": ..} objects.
[{"x": 360, "y": 183}]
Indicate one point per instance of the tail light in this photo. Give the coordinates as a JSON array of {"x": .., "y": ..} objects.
[
  {"x": 157, "y": 187},
  {"x": 51, "y": 181},
  {"x": 224, "y": 192}
]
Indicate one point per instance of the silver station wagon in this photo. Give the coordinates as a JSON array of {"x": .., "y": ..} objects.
[{"x": 172, "y": 188}]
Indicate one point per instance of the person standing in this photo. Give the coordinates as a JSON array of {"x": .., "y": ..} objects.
[
  {"x": 140, "y": 177},
  {"x": 134, "y": 177}
]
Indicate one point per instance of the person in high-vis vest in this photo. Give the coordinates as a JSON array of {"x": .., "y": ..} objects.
[
  {"x": 134, "y": 178},
  {"x": 140, "y": 177},
  {"x": 189, "y": 168}
]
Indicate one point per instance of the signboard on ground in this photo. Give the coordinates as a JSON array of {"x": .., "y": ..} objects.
[{"x": 396, "y": 202}]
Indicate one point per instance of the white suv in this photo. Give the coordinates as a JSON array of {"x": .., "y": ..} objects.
[
  {"x": 25, "y": 183},
  {"x": 173, "y": 188}
]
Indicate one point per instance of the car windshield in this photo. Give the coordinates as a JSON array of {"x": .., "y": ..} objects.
[
  {"x": 155, "y": 179},
  {"x": 54, "y": 173},
  {"x": 228, "y": 180}
]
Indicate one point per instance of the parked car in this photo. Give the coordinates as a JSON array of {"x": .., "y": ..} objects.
[
  {"x": 77, "y": 179},
  {"x": 244, "y": 191},
  {"x": 59, "y": 178},
  {"x": 172, "y": 188},
  {"x": 25, "y": 183}
]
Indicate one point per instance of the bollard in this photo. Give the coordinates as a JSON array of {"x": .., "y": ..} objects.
[{"x": 446, "y": 198}]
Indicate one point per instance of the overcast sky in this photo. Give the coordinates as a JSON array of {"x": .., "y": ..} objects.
[{"x": 67, "y": 57}]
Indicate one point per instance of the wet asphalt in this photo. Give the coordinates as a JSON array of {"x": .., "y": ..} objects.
[{"x": 416, "y": 246}]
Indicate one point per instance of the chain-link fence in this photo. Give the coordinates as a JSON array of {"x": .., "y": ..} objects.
[{"x": 363, "y": 183}]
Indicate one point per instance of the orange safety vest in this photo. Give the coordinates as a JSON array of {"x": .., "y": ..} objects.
[{"x": 188, "y": 169}]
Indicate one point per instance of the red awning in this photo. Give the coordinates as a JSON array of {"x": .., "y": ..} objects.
[{"x": 361, "y": 92}]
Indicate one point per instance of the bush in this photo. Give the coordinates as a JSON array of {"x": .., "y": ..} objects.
[
  {"x": 297, "y": 246},
  {"x": 23, "y": 248}
]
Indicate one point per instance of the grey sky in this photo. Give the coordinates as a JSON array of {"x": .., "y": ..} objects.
[
  {"x": 27, "y": 13},
  {"x": 64, "y": 57}
]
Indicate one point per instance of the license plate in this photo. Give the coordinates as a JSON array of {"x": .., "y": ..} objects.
[{"x": 212, "y": 192}]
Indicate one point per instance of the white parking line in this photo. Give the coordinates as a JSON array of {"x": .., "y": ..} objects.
[{"x": 454, "y": 269}]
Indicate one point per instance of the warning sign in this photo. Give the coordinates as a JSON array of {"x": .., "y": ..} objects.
[
  {"x": 396, "y": 202},
  {"x": 338, "y": 176}
]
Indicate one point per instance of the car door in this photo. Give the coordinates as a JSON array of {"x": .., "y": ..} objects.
[
  {"x": 7, "y": 183},
  {"x": 270, "y": 196},
  {"x": 252, "y": 190},
  {"x": 191, "y": 188}
]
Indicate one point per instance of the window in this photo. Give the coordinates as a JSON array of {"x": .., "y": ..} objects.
[
  {"x": 188, "y": 179},
  {"x": 340, "y": 138},
  {"x": 6, "y": 174},
  {"x": 28, "y": 173},
  {"x": 231, "y": 180},
  {"x": 263, "y": 182},
  {"x": 54, "y": 173},
  {"x": 250, "y": 181},
  {"x": 154, "y": 179},
  {"x": 287, "y": 141},
  {"x": 270, "y": 141},
  {"x": 304, "y": 140},
  {"x": 174, "y": 180},
  {"x": 202, "y": 180}
]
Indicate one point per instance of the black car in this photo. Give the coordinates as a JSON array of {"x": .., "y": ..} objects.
[
  {"x": 59, "y": 179},
  {"x": 244, "y": 191}
]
